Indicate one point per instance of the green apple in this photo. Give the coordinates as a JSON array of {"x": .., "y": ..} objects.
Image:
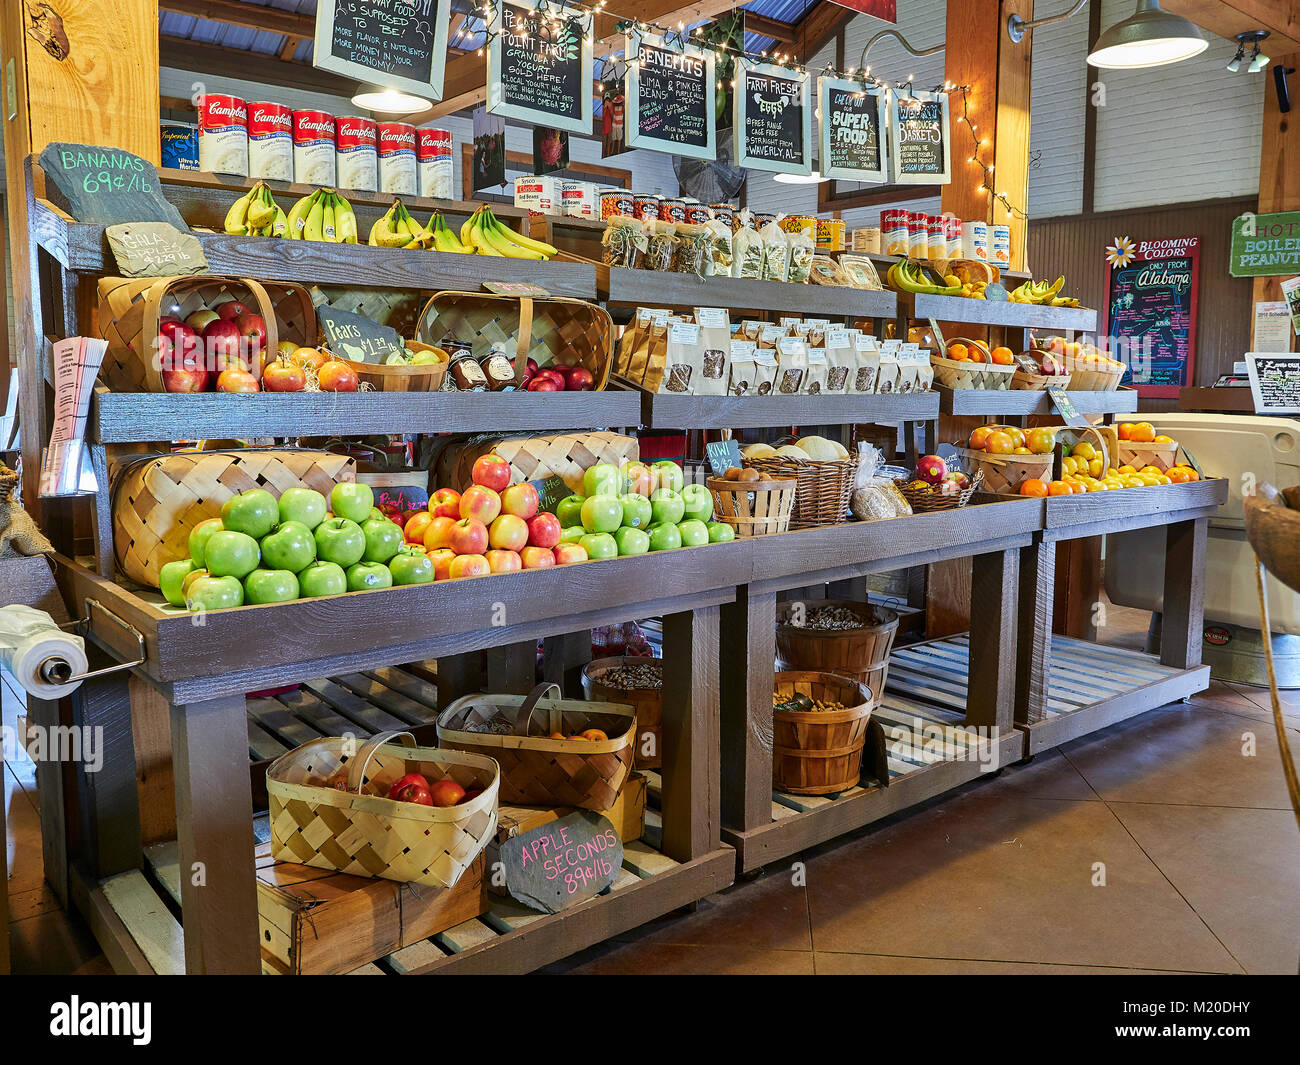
[
  {"x": 632, "y": 541},
  {"x": 322, "y": 578},
  {"x": 340, "y": 540},
  {"x": 664, "y": 536},
  {"x": 666, "y": 506},
  {"x": 720, "y": 532},
  {"x": 569, "y": 511},
  {"x": 199, "y": 537},
  {"x": 383, "y": 539},
  {"x": 698, "y": 503},
  {"x": 693, "y": 532},
  {"x": 572, "y": 534},
  {"x": 290, "y": 547},
  {"x": 601, "y": 479},
  {"x": 668, "y": 475},
  {"x": 368, "y": 576},
  {"x": 231, "y": 554},
  {"x": 600, "y": 545},
  {"x": 411, "y": 566},
  {"x": 270, "y": 586},
  {"x": 637, "y": 512},
  {"x": 351, "y": 500},
  {"x": 602, "y": 513},
  {"x": 170, "y": 578},
  {"x": 255, "y": 512},
  {"x": 303, "y": 504},
  {"x": 215, "y": 593}
]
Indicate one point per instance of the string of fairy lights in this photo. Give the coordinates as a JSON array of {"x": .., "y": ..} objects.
[{"x": 555, "y": 20}]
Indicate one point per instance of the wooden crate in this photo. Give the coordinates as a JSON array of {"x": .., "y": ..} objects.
[{"x": 314, "y": 922}]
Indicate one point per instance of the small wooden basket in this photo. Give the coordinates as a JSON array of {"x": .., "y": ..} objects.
[
  {"x": 1102, "y": 437},
  {"x": 754, "y": 508},
  {"x": 822, "y": 491},
  {"x": 406, "y": 378},
  {"x": 535, "y": 769},
  {"x": 861, "y": 653},
  {"x": 819, "y": 753},
  {"x": 1023, "y": 381},
  {"x": 966, "y": 375},
  {"x": 1135, "y": 454},
  {"x": 648, "y": 702},
  {"x": 534, "y": 458},
  {"x": 934, "y": 498},
  {"x": 1087, "y": 378},
  {"x": 1004, "y": 474},
  {"x": 315, "y": 823}
]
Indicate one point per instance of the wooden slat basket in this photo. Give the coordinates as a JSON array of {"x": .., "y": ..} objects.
[
  {"x": 538, "y": 770},
  {"x": 965, "y": 375},
  {"x": 938, "y": 497},
  {"x": 1090, "y": 377},
  {"x": 533, "y": 458},
  {"x": 819, "y": 752},
  {"x": 823, "y": 488},
  {"x": 1138, "y": 455},
  {"x": 1004, "y": 474},
  {"x": 754, "y": 508},
  {"x": 861, "y": 654},
  {"x": 320, "y": 815},
  {"x": 159, "y": 499},
  {"x": 648, "y": 702}
]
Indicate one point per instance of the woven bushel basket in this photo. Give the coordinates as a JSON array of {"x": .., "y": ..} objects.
[
  {"x": 1004, "y": 474},
  {"x": 158, "y": 500},
  {"x": 535, "y": 769},
  {"x": 861, "y": 654},
  {"x": 648, "y": 702},
  {"x": 534, "y": 458},
  {"x": 819, "y": 753},
  {"x": 753, "y": 508},
  {"x": 822, "y": 494},
  {"x": 326, "y": 827},
  {"x": 1139, "y": 455}
]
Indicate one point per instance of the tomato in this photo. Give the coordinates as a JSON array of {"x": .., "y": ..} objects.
[
  {"x": 979, "y": 437},
  {"x": 337, "y": 376},
  {"x": 1033, "y": 487},
  {"x": 1124, "y": 429},
  {"x": 1040, "y": 441},
  {"x": 999, "y": 443}
]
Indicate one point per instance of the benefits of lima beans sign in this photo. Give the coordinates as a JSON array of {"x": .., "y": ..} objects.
[
  {"x": 773, "y": 117},
  {"x": 399, "y": 43},
  {"x": 854, "y": 119},
  {"x": 539, "y": 72},
  {"x": 670, "y": 93}
]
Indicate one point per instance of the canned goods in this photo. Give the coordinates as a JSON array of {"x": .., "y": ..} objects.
[
  {"x": 698, "y": 213},
  {"x": 1000, "y": 246},
  {"x": 830, "y": 234},
  {"x": 918, "y": 235},
  {"x": 724, "y": 213},
  {"x": 937, "y": 237},
  {"x": 867, "y": 240},
  {"x": 433, "y": 155},
  {"x": 356, "y": 153},
  {"x": 894, "y": 230},
  {"x": 975, "y": 241},
  {"x": 952, "y": 235},
  {"x": 313, "y": 147},
  {"x": 616, "y": 202},
  {"x": 800, "y": 223},
  {"x": 270, "y": 141},
  {"x": 762, "y": 218},
  {"x": 223, "y": 134},
  {"x": 672, "y": 210},
  {"x": 541, "y": 195},
  {"x": 396, "y": 154},
  {"x": 578, "y": 199},
  {"x": 180, "y": 145},
  {"x": 646, "y": 207}
]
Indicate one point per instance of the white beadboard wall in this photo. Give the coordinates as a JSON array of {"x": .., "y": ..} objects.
[{"x": 1057, "y": 114}]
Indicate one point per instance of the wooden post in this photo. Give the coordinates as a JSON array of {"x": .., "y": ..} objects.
[
  {"x": 1279, "y": 177},
  {"x": 1183, "y": 615},
  {"x": 991, "y": 689},
  {"x": 512, "y": 668},
  {"x": 747, "y": 666},
  {"x": 1034, "y": 639},
  {"x": 563, "y": 658}
]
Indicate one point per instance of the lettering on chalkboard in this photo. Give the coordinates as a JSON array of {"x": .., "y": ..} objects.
[
  {"x": 723, "y": 455},
  {"x": 919, "y": 140},
  {"x": 550, "y": 490},
  {"x": 1065, "y": 408},
  {"x": 1151, "y": 310},
  {"x": 562, "y": 863},
  {"x": 355, "y": 337},
  {"x": 540, "y": 71},
  {"x": 773, "y": 119},
  {"x": 108, "y": 185},
  {"x": 854, "y": 119},
  {"x": 1275, "y": 382},
  {"x": 399, "y": 43},
  {"x": 671, "y": 94},
  {"x": 155, "y": 249}
]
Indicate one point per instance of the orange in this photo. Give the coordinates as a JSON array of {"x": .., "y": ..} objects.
[
  {"x": 1162, "y": 439},
  {"x": 999, "y": 443},
  {"x": 958, "y": 352},
  {"x": 1123, "y": 430},
  {"x": 1033, "y": 487},
  {"x": 979, "y": 436},
  {"x": 1021, "y": 451},
  {"x": 1040, "y": 441},
  {"x": 977, "y": 355},
  {"x": 1002, "y": 356},
  {"x": 1142, "y": 432},
  {"x": 1058, "y": 488},
  {"x": 1177, "y": 475}
]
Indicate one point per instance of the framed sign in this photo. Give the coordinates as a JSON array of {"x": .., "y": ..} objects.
[
  {"x": 773, "y": 118},
  {"x": 1151, "y": 311},
  {"x": 400, "y": 44},
  {"x": 1265, "y": 245},
  {"x": 854, "y": 119},
  {"x": 669, "y": 97},
  {"x": 919, "y": 139},
  {"x": 538, "y": 72},
  {"x": 1274, "y": 382}
]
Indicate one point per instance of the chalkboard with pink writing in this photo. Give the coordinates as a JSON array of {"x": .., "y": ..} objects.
[{"x": 562, "y": 863}]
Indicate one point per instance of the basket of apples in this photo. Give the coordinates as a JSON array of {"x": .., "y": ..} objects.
[
  {"x": 1038, "y": 369},
  {"x": 936, "y": 485}
]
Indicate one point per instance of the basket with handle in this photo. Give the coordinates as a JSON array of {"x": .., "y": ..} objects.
[
  {"x": 754, "y": 508},
  {"x": 404, "y": 377},
  {"x": 964, "y": 374},
  {"x": 935, "y": 497},
  {"x": 1142, "y": 453},
  {"x": 1094, "y": 374},
  {"x": 329, "y": 808},
  {"x": 535, "y": 768},
  {"x": 822, "y": 487},
  {"x": 1004, "y": 474}
]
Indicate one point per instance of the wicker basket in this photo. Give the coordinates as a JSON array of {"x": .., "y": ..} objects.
[
  {"x": 819, "y": 753},
  {"x": 538, "y": 770},
  {"x": 554, "y": 331},
  {"x": 933, "y": 498},
  {"x": 967, "y": 375},
  {"x": 159, "y": 499},
  {"x": 130, "y": 308},
  {"x": 399, "y": 310},
  {"x": 533, "y": 458},
  {"x": 823, "y": 489},
  {"x": 861, "y": 653},
  {"x": 753, "y": 508},
  {"x": 405, "y": 378},
  {"x": 1138, "y": 455},
  {"x": 1086, "y": 378},
  {"x": 648, "y": 703},
  {"x": 1003, "y": 474},
  {"x": 327, "y": 827},
  {"x": 1023, "y": 381}
]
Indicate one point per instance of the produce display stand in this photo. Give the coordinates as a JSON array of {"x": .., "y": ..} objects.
[
  {"x": 665, "y": 411},
  {"x": 1021, "y": 403}
]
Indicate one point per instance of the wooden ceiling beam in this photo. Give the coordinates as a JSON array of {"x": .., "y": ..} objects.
[
  {"x": 215, "y": 59},
  {"x": 785, "y": 32},
  {"x": 1228, "y": 18},
  {"x": 233, "y": 13},
  {"x": 822, "y": 22}
]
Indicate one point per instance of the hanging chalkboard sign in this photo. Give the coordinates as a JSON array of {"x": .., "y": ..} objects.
[
  {"x": 773, "y": 118},
  {"x": 563, "y": 862},
  {"x": 1151, "y": 311},
  {"x": 539, "y": 71},
  {"x": 854, "y": 120},
  {"x": 670, "y": 95},
  {"x": 357, "y": 338},
  {"x": 919, "y": 138},
  {"x": 107, "y": 185},
  {"x": 399, "y": 44}
]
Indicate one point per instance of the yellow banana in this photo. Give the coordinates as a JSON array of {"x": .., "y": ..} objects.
[
  {"x": 384, "y": 233},
  {"x": 315, "y": 220},
  {"x": 261, "y": 208},
  {"x": 478, "y": 239},
  {"x": 466, "y": 226},
  {"x": 525, "y": 242},
  {"x": 297, "y": 218},
  {"x": 280, "y": 226},
  {"x": 328, "y": 231},
  {"x": 236, "y": 222},
  {"x": 345, "y": 220},
  {"x": 443, "y": 238}
]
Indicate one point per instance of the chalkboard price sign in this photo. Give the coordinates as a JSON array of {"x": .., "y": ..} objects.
[
  {"x": 1275, "y": 382},
  {"x": 671, "y": 94},
  {"x": 853, "y": 121},
  {"x": 723, "y": 455},
  {"x": 107, "y": 185},
  {"x": 919, "y": 138},
  {"x": 155, "y": 249},
  {"x": 355, "y": 337},
  {"x": 400, "y": 44},
  {"x": 563, "y": 862},
  {"x": 1151, "y": 311},
  {"x": 540, "y": 72},
  {"x": 773, "y": 119}
]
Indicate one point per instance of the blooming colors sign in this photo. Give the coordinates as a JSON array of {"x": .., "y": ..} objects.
[{"x": 1151, "y": 311}]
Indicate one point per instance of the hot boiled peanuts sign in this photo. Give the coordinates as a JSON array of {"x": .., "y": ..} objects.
[
  {"x": 540, "y": 66},
  {"x": 854, "y": 120},
  {"x": 1151, "y": 310},
  {"x": 564, "y": 862},
  {"x": 773, "y": 117},
  {"x": 1265, "y": 245},
  {"x": 670, "y": 96}
]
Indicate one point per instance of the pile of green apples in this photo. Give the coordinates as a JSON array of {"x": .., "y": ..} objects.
[
  {"x": 638, "y": 508},
  {"x": 300, "y": 546}
]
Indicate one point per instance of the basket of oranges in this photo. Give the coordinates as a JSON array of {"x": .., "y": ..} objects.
[
  {"x": 971, "y": 364},
  {"x": 1006, "y": 456},
  {"x": 1140, "y": 446}
]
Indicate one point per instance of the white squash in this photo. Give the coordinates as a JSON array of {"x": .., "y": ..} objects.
[{"x": 758, "y": 451}]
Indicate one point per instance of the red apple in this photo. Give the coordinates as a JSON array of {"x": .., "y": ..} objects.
[
  {"x": 414, "y": 528},
  {"x": 185, "y": 380},
  {"x": 221, "y": 341},
  {"x": 438, "y": 532},
  {"x": 468, "y": 566},
  {"x": 491, "y": 471},
  {"x": 543, "y": 384},
  {"x": 231, "y": 309},
  {"x": 544, "y": 530},
  {"x": 335, "y": 375},
  {"x": 520, "y": 500},
  {"x": 198, "y": 321},
  {"x": 252, "y": 327},
  {"x": 566, "y": 554},
  {"x": 182, "y": 337},
  {"x": 236, "y": 380},
  {"x": 508, "y": 533},
  {"x": 579, "y": 379},
  {"x": 530, "y": 367},
  {"x": 445, "y": 503},
  {"x": 469, "y": 536},
  {"x": 442, "y": 559},
  {"x": 504, "y": 561},
  {"x": 638, "y": 479},
  {"x": 537, "y": 557},
  {"x": 282, "y": 376},
  {"x": 931, "y": 469},
  {"x": 481, "y": 503}
]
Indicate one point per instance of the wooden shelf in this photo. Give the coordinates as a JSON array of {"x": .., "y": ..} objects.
[
  {"x": 976, "y": 401},
  {"x": 1237, "y": 400},
  {"x": 1096, "y": 513},
  {"x": 995, "y": 312},
  {"x": 888, "y": 260},
  {"x": 119, "y": 418},
  {"x": 665, "y": 411},
  {"x": 658, "y": 288}
]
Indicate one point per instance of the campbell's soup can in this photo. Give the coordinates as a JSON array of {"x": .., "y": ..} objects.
[
  {"x": 270, "y": 141},
  {"x": 356, "y": 153},
  {"x": 724, "y": 213},
  {"x": 918, "y": 235},
  {"x": 313, "y": 148},
  {"x": 397, "y": 170},
  {"x": 223, "y": 134},
  {"x": 180, "y": 145},
  {"x": 936, "y": 241},
  {"x": 433, "y": 157},
  {"x": 647, "y": 207},
  {"x": 894, "y": 226},
  {"x": 952, "y": 235},
  {"x": 616, "y": 202},
  {"x": 698, "y": 213}
]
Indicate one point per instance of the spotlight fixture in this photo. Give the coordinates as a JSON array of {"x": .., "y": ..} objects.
[
  {"x": 1234, "y": 64},
  {"x": 389, "y": 101},
  {"x": 1258, "y": 61}
]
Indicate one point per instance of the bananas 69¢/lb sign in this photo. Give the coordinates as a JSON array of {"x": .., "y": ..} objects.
[{"x": 773, "y": 118}]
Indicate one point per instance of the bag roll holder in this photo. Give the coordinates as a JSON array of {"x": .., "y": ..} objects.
[{"x": 57, "y": 670}]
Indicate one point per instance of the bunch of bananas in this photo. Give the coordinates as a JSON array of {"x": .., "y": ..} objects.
[
  {"x": 256, "y": 214},
  {"x": 909, "y": 276},
  {"x": 398, "y": 229},
  {"x": 1042, "y": 293},
  {"x": 324, "y": 215},
  {"x": 485, "y": 233}
]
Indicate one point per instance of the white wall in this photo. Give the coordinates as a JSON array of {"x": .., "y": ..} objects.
[{"x": 1057, "y": 109}]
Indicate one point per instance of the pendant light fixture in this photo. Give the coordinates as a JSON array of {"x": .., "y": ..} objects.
[
  {"x": 389, "y": 101},
  {"x": 814, "y": 178},
  {"x": 1150, "y": 37}
]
